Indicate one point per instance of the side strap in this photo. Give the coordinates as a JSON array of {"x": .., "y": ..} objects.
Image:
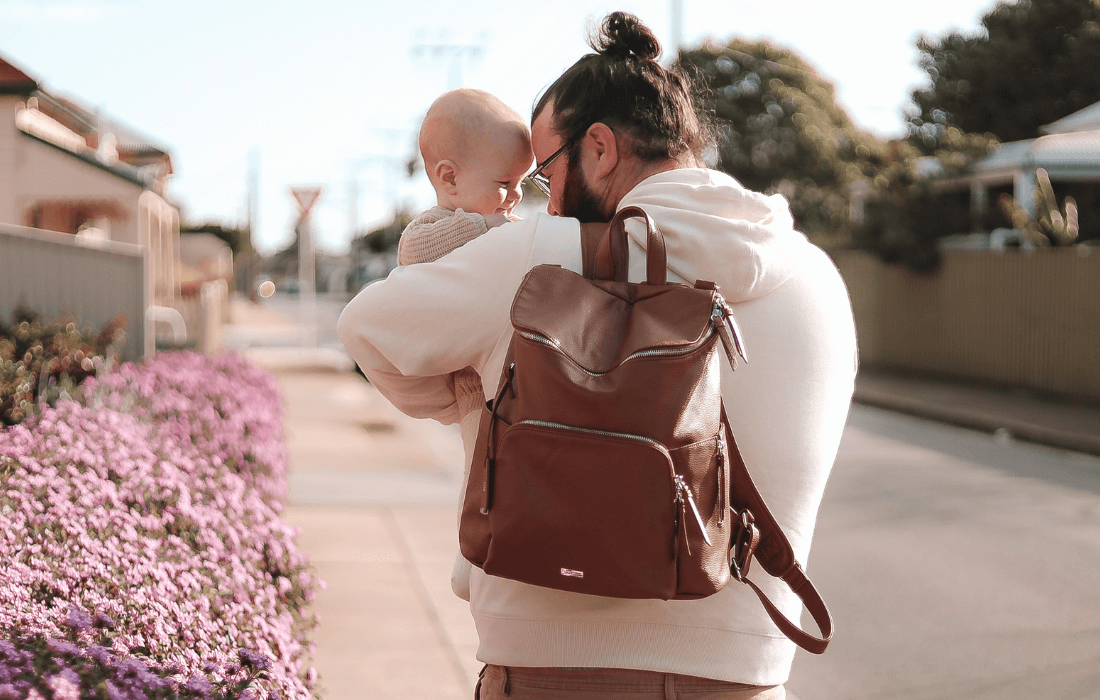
[
  {"x": 490, "y": 447},
  {"x": 777, "y": 556},
  {"x": 796, "y": 579}
]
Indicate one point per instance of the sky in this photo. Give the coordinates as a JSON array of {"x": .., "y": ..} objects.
[{"x": 330, "y": 93}]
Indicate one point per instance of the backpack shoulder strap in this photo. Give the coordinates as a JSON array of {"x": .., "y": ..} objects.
[{"x": 592, "y": 235}]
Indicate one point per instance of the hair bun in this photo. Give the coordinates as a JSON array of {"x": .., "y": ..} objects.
[{"x": 622, "y": 35}]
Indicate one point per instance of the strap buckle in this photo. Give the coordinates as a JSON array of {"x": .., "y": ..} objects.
[{"x": 743, "y": 542}]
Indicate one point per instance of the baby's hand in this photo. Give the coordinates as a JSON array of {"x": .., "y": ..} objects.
[{"x": 494, "y": 220}]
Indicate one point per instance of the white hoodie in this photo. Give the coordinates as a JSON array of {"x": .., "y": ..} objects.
[{"x": 787, "y": 407}]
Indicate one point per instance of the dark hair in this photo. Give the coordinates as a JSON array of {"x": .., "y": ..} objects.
[{"x": 623, "y": 86}]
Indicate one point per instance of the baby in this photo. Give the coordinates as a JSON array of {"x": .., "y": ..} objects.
[{"x": 476, "y": 152}]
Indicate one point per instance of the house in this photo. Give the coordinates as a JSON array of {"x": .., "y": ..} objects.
[
  {"x": 69, "y": 169},
  {"x": 1069, "y": 151}
]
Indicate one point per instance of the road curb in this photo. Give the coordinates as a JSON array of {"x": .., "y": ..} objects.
[{"x": 979, "y": 420}]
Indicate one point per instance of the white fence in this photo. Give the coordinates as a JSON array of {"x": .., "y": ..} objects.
[{"x": 59, "y": 276}]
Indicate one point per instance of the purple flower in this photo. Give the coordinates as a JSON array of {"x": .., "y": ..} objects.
[
  {"x": 198, "y": 684},
  {"x": 63, "y": 648},
  {"x": 103, "y": 621},
  {"x": 8, "y": 692},
  {"x": 116, "y": 693},
  {"x": 78, "y": 619},
  {"x": 101, "y": 654},
  {"x": 254, "y": 659}
]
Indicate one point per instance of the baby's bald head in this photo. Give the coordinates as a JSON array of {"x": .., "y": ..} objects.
[
  {"x": 473, "y": 144},
  {"x": 461, "y": 122}
]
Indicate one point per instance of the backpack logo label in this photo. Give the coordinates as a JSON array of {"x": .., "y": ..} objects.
[{"x": 572, "y": 573}]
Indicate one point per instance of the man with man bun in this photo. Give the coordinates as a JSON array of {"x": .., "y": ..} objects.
[{"x": 617, "y": 129}]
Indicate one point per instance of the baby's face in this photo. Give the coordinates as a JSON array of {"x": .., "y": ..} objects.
[{"x": 490, "y": 182}]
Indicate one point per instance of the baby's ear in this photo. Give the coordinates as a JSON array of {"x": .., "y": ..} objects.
[{"x": 445, "y": 173}]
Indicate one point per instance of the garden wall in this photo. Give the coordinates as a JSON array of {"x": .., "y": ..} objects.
[
  {"x": 54, "y": 275},
  {"x": 1020, "y": 318}
]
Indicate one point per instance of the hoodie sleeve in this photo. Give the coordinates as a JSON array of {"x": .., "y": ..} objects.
[{"x": 410, "y": 331}]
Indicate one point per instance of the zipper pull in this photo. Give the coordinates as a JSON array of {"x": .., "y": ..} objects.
[
  {"x": 721, "y": 481},
  {"x": 681, "y": 518},
  {"x": 723, "y": 312},
  {"x": 682, "y": 491},
  {"x": 678, "y": 516}
]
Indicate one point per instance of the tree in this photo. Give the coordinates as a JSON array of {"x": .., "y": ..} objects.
[
  {"x": 782, "y": 131},
  {"x": 904, "y": 216},
  {"x": 236, "y": 239},
  {"x": 1034, "y": 62},
  {"x": 385, "y": 238}
]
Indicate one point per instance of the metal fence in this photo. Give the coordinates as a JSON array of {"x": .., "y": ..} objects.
[
  {"x": 1021, "y": 318},
  {"x": 59, "y": 276}
]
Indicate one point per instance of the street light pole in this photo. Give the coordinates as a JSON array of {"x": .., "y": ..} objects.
[{"x": 306, "y": 197}]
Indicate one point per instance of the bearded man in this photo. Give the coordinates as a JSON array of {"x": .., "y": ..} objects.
[{"x": 616, "y": 130}]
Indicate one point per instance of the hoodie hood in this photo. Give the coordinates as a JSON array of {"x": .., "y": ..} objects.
[{"x": 717, "y": 230}]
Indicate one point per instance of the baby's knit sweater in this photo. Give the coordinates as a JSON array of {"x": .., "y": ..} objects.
[{"x": 429, "y": 236}]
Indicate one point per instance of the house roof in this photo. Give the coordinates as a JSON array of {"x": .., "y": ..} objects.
[
  {"x": 13, "y": 81},
  {"x": 1008, "y": 156},
  {"x": 1085, "y": 119},
  {"x": 1068, "y": 154},
  {"x": 133, "y": 147}
]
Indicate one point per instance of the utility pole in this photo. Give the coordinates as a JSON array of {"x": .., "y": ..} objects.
[
  {"x": 390, "y": 164},
  {"x": 677, "y": 27},
  {"x": 454, "y": 54},
  {"x": 249, "y": 277}
]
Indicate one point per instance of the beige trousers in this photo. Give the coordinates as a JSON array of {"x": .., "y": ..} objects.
[{"x": 521, "y": 683}]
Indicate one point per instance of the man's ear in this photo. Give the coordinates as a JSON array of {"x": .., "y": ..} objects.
[
  {"x": 445, "y": 173},
  {"x": 605, "y": 149}
]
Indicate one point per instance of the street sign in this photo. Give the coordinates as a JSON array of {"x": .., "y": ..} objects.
[{"x": 306, "y": 197}]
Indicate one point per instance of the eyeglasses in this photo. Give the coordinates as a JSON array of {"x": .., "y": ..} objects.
[{"x": 541, "y": 181}]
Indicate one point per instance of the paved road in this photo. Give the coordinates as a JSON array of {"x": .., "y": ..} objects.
[{"x": 956, "y": 566}]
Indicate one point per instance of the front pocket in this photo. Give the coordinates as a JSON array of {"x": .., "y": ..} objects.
[{"x": 584, "y": 511}]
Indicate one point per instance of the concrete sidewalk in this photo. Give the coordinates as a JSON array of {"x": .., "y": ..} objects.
[{"x": 375, "y": 494}]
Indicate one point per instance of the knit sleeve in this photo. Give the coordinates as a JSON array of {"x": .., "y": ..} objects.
[{"x": 429, "y": 237}]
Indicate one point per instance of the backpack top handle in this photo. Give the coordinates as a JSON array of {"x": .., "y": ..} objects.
[{"x": 656, "y": 262}]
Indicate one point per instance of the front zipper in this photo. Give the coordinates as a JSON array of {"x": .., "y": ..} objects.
[
  {"x": 652, "y": 352},
  {"x": 602, "y": 433}
]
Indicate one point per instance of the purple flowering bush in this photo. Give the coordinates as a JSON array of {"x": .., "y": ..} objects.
[{"x": 142, "y": 553}]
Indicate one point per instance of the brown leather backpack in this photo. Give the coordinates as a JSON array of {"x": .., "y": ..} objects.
[{"x": 606, "y": 465}]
